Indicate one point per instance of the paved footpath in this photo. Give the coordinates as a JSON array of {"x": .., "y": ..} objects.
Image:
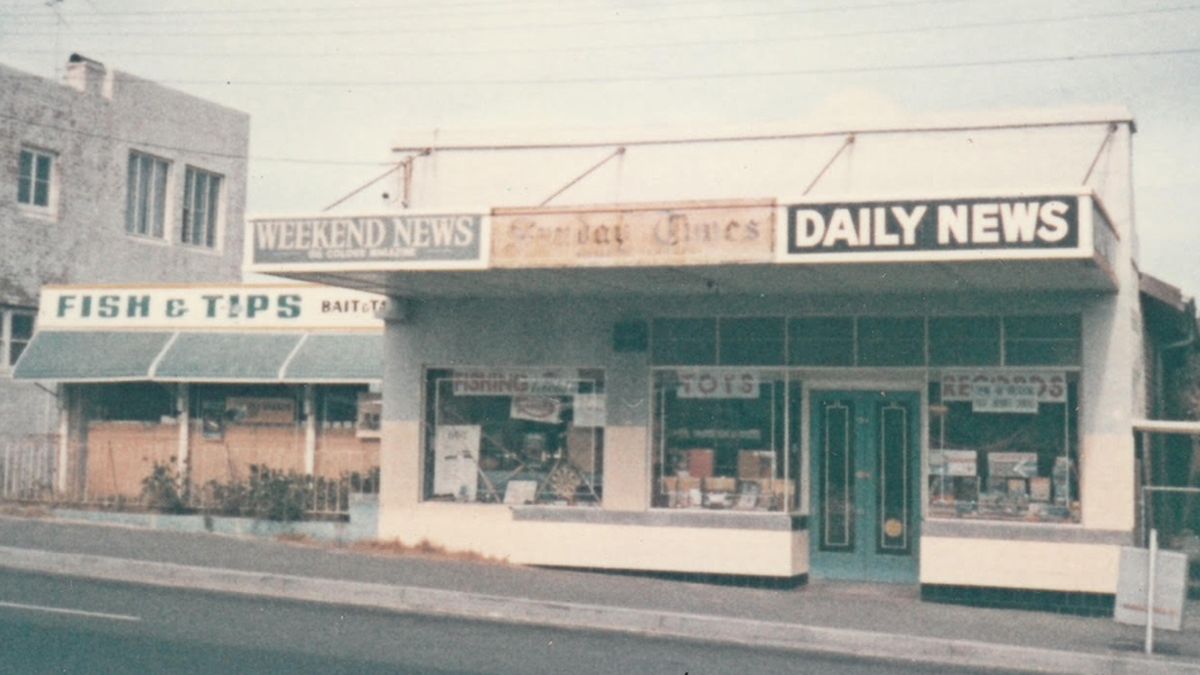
[{"x": 867, "y": 620}]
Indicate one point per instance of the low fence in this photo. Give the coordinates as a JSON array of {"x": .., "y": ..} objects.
[
  {"x": 28, "y": 469},
  {"x": 147, "y": 476}
]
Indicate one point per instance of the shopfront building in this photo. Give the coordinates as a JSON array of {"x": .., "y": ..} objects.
[
  {"x": 920, "y": 368},
  {"x": 214, "y": 385}
]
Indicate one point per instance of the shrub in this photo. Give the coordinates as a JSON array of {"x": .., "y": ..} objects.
[{"x": 160, "y": 489}]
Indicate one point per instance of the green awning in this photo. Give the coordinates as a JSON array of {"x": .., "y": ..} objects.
[
  {"x": 337, "y": 358},
  {"x": 84, "y": 356},
  {"x": 217, "y": 357}
]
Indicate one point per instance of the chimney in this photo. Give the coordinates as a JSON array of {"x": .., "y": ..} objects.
[{"x": 88, "y": 76}]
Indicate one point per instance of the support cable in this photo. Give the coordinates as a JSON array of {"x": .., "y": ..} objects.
[
  {"x": 825, "y": 169},
  {"x": 405, "y": 164},
  {"x": 616, "y": 153},
  {"x": 1112, "y": 130}
]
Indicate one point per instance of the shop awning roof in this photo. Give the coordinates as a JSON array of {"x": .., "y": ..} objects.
[
  {"x": 336, "y": 358},
  {"x": 99, "y": 356},
  {"x": 90, "y": 356},
  {"x": 226, "y": 356}
]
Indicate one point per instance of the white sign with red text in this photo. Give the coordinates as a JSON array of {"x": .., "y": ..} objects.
[{"x": 717, "y": 383}]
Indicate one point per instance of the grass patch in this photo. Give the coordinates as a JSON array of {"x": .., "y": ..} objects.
[{"x": 423, "y": 548}]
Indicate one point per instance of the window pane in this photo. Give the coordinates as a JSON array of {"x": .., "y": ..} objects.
[
  {"x": 515, "y": 437},
  {"x": 720, "y": 447},
  {"x": 143, "y": 207},
  {"x": 41, "y": 193},
  {"x": 214, "y": 199},
  {"x": 131, "y": 192},
  {"x": 43, "y": 168},
  {"x": 964, "y": 341},
  {"x": 891, "y": 341},
  {"x": 200, "y": 204},
  {"x": 15, "y": 352},
  {"x": 24, "y": 190},
  {"x": 684, "y": 342},
  {"x": 22, "y": 326},
  {"x": 160, "y": 196},
  {"x": 26, "y": 168},
  {"x": 1005, "y": 466},
  {"x": 188, "y": 198},
  {"x": 751, "y": 341},
  {"x": 821, "y": 341},
  {"x": 1043, "y": 340}
]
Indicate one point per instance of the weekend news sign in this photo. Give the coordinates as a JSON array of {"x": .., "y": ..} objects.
[
  {"x": 936, "y": 228},
  {"x": 388, "y": 241}
]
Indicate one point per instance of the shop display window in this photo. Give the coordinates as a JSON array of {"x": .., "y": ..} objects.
[
  {"x": 720, "y": 439},
  {"x": 1003, "y": 445},
  {"x": 964, "y": 341},
  {"x": 515, "y": 436},
  {"x": 149, "y": 402}
]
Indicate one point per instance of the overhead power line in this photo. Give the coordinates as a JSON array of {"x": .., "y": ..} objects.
[
  {"x": 177, "y": 148},
  {"x": 627, "y": 79},
  {"x": 807, "y": 37},
  {"x": 426, "y": 30}
]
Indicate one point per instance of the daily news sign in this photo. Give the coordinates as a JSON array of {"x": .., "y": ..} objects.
[{"x": 935, "y": 228}]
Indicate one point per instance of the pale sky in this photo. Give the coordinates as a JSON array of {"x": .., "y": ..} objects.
[{"x": 330, "y": 84}]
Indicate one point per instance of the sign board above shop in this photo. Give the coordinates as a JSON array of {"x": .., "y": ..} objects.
[
  {"x": 393, "y": 241},
  {"x": 274, "y": 306},
  {"x": 632, "y": 235},
  {"x": 976, "y": 228}
]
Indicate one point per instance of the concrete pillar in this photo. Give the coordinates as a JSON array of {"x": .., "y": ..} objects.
[
  {"x": 310, "y": 429},
  {"x": 401, "y": 462},
  {"x": 182, "y": 417}
]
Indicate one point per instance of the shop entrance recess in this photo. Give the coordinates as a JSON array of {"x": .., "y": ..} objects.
[{"x": 865, "y": 485}]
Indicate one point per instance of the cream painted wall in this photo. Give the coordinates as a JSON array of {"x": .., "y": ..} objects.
[
  {"x": 489, "y": 530},
  {"x": 1085, "y": 568}
]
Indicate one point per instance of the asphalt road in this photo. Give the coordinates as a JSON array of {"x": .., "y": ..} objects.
[{"x": 58, "y": 625}]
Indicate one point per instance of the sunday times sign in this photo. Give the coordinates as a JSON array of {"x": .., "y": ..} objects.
[
  {"x": 917, "y": 228},
  {"x": 396, "y": 240}
]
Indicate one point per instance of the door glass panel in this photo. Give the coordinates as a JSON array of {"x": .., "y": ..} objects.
[
  {"x": 837, "y": 476},
  {"x": 894, "y": 508}
]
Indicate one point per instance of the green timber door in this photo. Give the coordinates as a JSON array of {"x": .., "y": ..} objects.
[{"x": 865, "y": 485}]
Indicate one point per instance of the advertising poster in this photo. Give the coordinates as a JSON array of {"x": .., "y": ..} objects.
[{"x": 456, "y": 461}]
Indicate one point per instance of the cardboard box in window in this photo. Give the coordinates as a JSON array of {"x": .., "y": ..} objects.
[
  {"x": 699, "y": 462},
  {"x": 581, "y": 448},
  {"x": 755, "y": 464}
]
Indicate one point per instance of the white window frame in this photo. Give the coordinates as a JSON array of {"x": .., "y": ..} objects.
[
  {"x": 6, "y": 334},
  {"x": 212, "y": 208},
  {"x": 134, "y": 196},
  {"x": 50, "y": 208}
]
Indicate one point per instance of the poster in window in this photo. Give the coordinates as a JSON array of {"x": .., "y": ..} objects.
[
  {"x": 591, "y": 410},
  {"x": 370, "y": 412},
  {"x": 260, "y": 410},
  {"x": 547, "y": 409},
  {"x": 212, "y": 420},
  {"x": 456, "y": 461}
]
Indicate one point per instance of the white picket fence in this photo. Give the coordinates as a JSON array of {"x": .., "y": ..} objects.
[{"x": 28, "y": 470}]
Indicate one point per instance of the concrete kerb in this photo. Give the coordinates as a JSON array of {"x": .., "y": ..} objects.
[{"x": 416, "y": 600}]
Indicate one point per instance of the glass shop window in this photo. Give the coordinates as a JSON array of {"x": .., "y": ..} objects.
[
  {"x": 821, "y": 341},
  {"x": 1049, "y": 340},
  {"x": 338, "y": 406},
  {"x": 148, "y": 402},
  {"x": 515, "y": 436},
  {"x": 964, "y": 341},
  {"x": 891, "y": 341},
  {"x": 678, "y": 342},
  {"x": 755, "y": 341},
  {"x": 720, "y": 440},
  {"x": 1003, "y": 445}
]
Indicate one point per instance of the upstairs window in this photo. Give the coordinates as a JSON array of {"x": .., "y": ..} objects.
[
  {"x": 16, "y": 330},
  {"x": 146, "y": 195},
  {"x": 201, "y": 202},
  {"x": 35, "y": 179}
]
